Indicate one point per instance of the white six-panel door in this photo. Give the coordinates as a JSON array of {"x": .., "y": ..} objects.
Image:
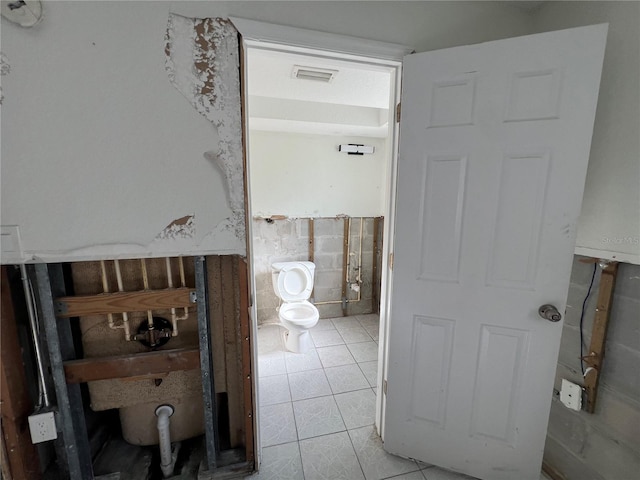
[{"x": 494, "y": 145}]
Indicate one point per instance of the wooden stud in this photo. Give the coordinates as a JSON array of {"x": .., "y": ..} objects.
[
  {"x": 345, "y": 261},
  {"x": 595, "y": 356},
  {"x": 311, "y": 241},
  {"x": 130, "y": 366},
  {"x": 243, "y": 287},
  {"x": 14, "y": 397},
  {"x": 120, "y": 302},
  {"x": 234, "y": 387},
  {"x": 375, "y": 302}
]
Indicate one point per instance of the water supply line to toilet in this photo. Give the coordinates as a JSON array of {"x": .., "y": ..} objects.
[{"x": 168, "y": 456}]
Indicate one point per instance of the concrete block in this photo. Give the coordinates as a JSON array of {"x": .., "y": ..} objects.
[
  {"x": 327, "y": 261},
  {"x": 620, "y": 370},
  {"x": 581, "y": 272},
  {"x": 610, "y": 458},
  {"x": 323, "y": 294},
  {"x": 575, "y": 297},
  {"x": 567, "y": 427},
  {"x": 628, "y": 281},
  {"x": 618, "y": 415},
  {"x": 570, "y": 347},
  {"x": 330, "y": 311},
  {"x": 558, "y": 456},
  {"x": 328, "y": 278},
  {"x": 624, "y": 327},
  {"x": 327, "y": 244},
  {"x": 328, "y": 226}
]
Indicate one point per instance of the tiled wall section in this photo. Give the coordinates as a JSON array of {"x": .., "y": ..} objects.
[
  {"x": 606, "y": 444},
  {"x": 288, "y": 240}
]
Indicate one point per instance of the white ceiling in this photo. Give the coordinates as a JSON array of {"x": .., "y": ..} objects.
[{"x": 356, "y": 102}]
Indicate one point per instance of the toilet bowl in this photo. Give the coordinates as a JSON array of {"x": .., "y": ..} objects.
[{"x": 293, "y": 283}]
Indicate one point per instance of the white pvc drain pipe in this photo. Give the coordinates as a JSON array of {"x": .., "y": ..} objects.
[{"x": 167, "y": 457}]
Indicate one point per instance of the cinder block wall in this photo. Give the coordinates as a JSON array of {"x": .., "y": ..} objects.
[
  {"x": 288, "y": 240},
  {"x": 604, "y": 445}
]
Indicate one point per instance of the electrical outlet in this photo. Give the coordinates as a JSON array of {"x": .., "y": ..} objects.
[
  {"x": 571, "y": 395},
  {"x": 42, "y": 427}
]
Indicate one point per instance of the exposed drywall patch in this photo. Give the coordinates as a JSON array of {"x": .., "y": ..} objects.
[
  {"x": 183, "y": 227},
  {"x": 203, "y": 64},
  {"x": 5, "y": 69}
]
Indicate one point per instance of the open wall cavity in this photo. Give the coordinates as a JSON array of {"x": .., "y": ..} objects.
[{"x": 345, "y": 250}]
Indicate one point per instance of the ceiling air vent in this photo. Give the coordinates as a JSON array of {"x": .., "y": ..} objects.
[{"x": 313, "y": 73}]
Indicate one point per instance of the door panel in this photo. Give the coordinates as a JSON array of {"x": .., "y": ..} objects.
[{"x": 493, "y": 153}]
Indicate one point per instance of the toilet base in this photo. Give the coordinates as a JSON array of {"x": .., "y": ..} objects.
[{"x": 297, "y": 341}]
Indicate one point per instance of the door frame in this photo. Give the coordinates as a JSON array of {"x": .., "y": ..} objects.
[{"x": 265, "y": 36}]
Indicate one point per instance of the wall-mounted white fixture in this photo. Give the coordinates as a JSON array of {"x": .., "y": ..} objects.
[
  {"x": 356, "y": 149},
  {"x": 25, "y": 13},
  {"x": 314, "y": 73}
]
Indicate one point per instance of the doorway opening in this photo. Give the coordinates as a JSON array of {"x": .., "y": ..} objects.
[{"x": 310, "y": 200}]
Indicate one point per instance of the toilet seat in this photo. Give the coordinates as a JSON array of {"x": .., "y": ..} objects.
[
  {"x": 295, "y": 283},
  {"x": 301, "y": 314}
]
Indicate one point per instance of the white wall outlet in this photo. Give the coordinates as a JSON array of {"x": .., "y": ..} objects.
[
  {"x": 42, "y": 427},
  {"x": 571, "y": 395}
]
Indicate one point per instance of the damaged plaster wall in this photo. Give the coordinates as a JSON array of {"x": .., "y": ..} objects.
[
  {"x": 101, "y": 156},
  {"x": 203, "y": 64}
]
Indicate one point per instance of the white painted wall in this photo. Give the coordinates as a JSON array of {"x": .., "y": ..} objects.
[
  {"x": 609, "y": 226},
  {"x": 301, "y": 175},
  {"x": 100, "y": 153}
]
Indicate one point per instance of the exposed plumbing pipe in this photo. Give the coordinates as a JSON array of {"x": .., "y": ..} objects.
[
  {"x": 358, "y": 278},
  {"x": 43, "y": 400},
  {"x": 145, "y": 281},
  {"x": 183, "y": 284},
  {"x": 125, "y": 315},
  {"x": 105, "y": 289},
  {"x": 174, "y": 316},
  {"x": 167, "y": 456}
]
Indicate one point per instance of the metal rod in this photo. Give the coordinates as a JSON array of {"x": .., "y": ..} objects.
[
  {"x": 33, "y": 327},
  {"x": 206, "y": 364}
]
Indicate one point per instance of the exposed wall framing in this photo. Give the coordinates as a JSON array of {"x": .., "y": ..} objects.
[
  {"x": 19, "y": 456},
  {"x": 345, "y": 250},
  {"x": 112, "y": 365},
  {"x": 595, "y": 356}
]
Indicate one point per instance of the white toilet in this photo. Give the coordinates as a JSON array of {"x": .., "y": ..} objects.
[{"x": 293, "y": 283}]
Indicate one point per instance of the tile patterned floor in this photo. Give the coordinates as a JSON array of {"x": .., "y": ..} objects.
[{"x": 317, "y": 410}]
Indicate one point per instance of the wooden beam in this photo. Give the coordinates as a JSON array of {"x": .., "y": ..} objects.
[
  {"x": 127, "y": 366},
  {"x": 345, "y": 262},
  {"x": 599, "y": 334},
  {"x": 375, "y": 303},
  {"x": 22, "y": 456},
  {"x": 312, "y": 250},
  {"x": 120, "y": 302},
  {"x": 247, "y": 375}
]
